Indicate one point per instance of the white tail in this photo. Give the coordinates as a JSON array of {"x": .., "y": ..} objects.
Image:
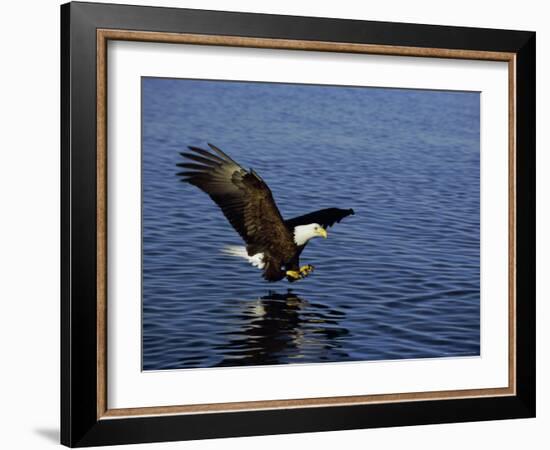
[{"x": 240, "y": 252}]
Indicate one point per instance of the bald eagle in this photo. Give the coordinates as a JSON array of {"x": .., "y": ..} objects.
[{"x": 272, "y": 243}]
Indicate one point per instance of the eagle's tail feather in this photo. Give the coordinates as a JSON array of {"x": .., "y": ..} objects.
[
  {"x": 235, "y": 250},
  {"x": 240, "y": 252}
]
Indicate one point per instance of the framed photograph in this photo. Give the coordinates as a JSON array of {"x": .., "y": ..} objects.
[{"x": 276, "y": 224}]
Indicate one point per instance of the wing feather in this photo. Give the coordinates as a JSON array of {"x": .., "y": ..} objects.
[
  {"x": 223, "y": 155},
  {"x": 244, "y": 198},
  {"x": 325, "y": 217},
  {"x": 201, "y": 160},
  {"x": 207, "y": 154}
]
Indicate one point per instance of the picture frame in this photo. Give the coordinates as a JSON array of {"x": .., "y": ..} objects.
[{"x": 86, "y": 29}]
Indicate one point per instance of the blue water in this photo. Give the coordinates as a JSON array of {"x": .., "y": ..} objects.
[{"x": 399, "y": 279}]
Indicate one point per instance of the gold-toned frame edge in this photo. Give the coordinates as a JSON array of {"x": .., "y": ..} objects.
[{"x": 103, "y": 36}]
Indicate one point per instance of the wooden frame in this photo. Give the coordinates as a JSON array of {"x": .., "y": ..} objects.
[{"x": 86, "y": 418}]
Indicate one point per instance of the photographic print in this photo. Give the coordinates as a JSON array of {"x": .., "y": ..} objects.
[{"x": 294, "y": 223}]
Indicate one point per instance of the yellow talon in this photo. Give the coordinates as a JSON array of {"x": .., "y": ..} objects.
[
  {"x": 303, "y": 272},
  {"x": 293, "y": 274}
]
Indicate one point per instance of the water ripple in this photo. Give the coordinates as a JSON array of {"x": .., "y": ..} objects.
[{"x": 400, "y": 279}]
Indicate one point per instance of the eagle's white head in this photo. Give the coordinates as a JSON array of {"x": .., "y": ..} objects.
[{"x": 303, "y": 233}]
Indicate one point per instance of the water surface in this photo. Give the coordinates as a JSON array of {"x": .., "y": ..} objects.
[{"x": 400, "y": 279}]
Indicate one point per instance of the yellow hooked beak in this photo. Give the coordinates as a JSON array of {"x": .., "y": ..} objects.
[{"x": 322, "y": 232}]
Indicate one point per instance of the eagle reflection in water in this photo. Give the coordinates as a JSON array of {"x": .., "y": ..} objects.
[{"x": 284, "y": 328}]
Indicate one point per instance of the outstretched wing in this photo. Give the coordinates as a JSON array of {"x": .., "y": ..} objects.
[
  {"x": 244, "y": 198},
  {"x": 324, "y": 217}
]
